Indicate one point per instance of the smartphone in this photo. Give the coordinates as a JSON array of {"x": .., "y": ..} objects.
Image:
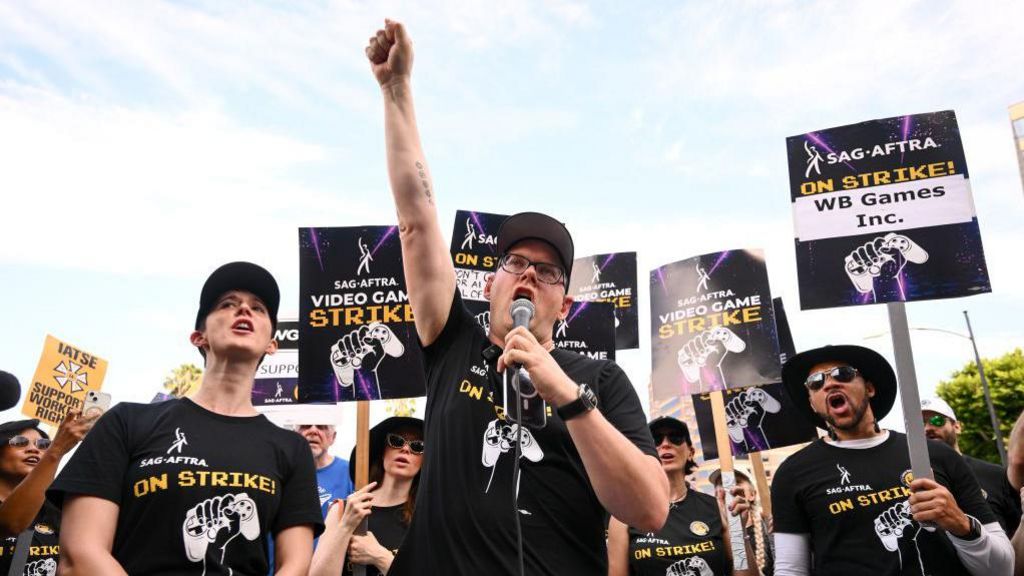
[
  {"x": 534, "y": 410},
  {"x": 96, "y": 403}
]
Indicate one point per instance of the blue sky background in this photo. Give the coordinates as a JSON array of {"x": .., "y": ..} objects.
[{"x": 145, "y": 143}]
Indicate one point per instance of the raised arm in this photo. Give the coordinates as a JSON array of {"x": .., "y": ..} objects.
[
  {"x": 23, "y": 504},
  {"x": 429, "y": 273}
]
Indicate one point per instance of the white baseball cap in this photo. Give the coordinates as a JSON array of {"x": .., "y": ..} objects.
[{"x": 939, "y": 406}]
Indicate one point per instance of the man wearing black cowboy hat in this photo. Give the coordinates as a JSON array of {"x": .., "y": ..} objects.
[
  {"x": 595, "y": 452},
  {"x": 850, "y": 502}
]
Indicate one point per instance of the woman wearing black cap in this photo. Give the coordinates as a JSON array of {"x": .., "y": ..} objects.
[
  {"x": 695, "y": 538},
  {"x": 389, "y": 500},
  {"x": 28, "y": 462},
  {"x": 196, "y": 486}
]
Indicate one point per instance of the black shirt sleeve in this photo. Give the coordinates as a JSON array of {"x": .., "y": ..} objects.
[
  {"x": 618, "y": 402},
  {"x": 787, "y": 513},
  {"x": 300, "y": 503},
  {"x": 98, "y": 466}
]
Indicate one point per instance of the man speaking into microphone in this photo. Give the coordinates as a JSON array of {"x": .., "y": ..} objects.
[{"x": 592, "y": 453}]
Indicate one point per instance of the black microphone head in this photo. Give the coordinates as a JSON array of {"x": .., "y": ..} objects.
[
  {"x": 522, "y": 312},
  {"x": 10, "y": 391}
]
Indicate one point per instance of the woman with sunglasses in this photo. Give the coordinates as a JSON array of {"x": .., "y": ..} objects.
[
  {"x": 28, "y": 463},
  {"x": 695, "y": 539},
  {"x": 387, "y": 502}
]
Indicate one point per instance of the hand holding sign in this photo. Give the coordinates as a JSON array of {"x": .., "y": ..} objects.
[
  {"x": 364, "y": 347},
  {"x": 867, "y": 261}
]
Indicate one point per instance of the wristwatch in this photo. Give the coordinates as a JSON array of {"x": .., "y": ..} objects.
[
  {"x": 975, "y": 531},
  {"x": 584, "y": 402}
]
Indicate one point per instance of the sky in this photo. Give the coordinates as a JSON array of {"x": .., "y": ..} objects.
[{"x": 145, "y": 143}]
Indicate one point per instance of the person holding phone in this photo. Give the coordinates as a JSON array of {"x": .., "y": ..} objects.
[{"x": 28, "y": 462}]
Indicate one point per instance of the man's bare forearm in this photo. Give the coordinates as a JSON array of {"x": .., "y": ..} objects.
[
  {"x": 630, "y": 484},
  {"x": 429, "y": 272}
]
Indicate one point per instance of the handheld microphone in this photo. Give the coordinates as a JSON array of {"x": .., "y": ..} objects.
[
  {"x": 532, "y": 411},
  {"x": 522, "y": 312},
  {"x": 10, "y": 391}
]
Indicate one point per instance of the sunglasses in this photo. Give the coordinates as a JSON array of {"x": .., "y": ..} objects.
[
  {"x": 844, "y": 374},
  {"x": 937, "y": 420},
  {"x": 23, "y": 441},
  {"x": 397, "y": 442},
  {"x": 674, "y": 438}
]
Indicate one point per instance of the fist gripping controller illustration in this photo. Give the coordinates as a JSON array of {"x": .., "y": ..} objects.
[
  {"x": 708, "y": 350},
  {"x": 865, "y": 263},
  {"x": 499, "y": 438},
  {"x": 898, "y": 531},
  {"x": 364, "y": 347},
  {"x": 44, "y": 567},
  {"x": 744, "y": 415},
  {"x": 217, "y": 521},
  {"x": 692, "y": 566}
]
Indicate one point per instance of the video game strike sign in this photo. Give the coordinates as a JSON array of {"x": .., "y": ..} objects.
[
  {"x": 883, "y": 212},
  {"x": 64, "y": 374}
]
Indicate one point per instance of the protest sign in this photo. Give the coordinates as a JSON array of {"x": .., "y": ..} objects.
[
  {"x": 760, "y": 417},
  {"x": 63, "y": 375},
  {"x": 277, "y": 378},
  {"x": 883, "y": 212},
  {"x": 589, "y": 329},
  {"x": 475, "y": 251},
  {"x": 712, "y": 325},
  {"x": 357, "y": 340},
  {"x": 610, "y": 278}
]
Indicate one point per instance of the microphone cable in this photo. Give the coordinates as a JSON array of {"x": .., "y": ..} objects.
[{"x": 516, "y": 471}]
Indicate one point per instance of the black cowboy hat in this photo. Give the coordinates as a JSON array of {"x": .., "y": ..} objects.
[
  {"x": 378, "y": 435},
  {"x": 873, "y": 367}
]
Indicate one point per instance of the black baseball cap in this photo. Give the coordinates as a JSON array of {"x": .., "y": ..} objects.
[
  {"x": 9, "y": 430},
  {"x": 672, "y": 424},
  {"x": 239, "y": 276},
  {"x": 873, "y": 367},
  {"x": 537, "y": 226}
]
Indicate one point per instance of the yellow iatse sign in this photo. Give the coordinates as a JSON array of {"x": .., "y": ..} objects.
[{"x": 63, "y": 376}]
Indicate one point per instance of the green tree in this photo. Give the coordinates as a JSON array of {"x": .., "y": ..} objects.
[
  {"x": 963, "y": 392},
  {"x": 183, "y": 380}
]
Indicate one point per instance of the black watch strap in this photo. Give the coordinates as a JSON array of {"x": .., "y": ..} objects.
[{"x": 585, "y": 402}]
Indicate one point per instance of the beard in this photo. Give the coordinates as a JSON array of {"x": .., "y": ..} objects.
[{"x": 859, "y": 410}]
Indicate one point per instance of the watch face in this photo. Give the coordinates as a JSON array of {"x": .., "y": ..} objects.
[{"x": 588, "y": 396}]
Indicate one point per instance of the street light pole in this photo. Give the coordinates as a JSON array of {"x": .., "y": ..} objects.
[{"x": 988, "y": 396}]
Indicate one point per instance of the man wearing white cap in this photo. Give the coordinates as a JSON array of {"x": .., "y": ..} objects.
[{"x": 940, "y": 424}]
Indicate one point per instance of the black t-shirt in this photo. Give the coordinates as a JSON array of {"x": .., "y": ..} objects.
[
  {"x": 464, "y": 520},
  {"x": 386, "y": 524},
  {"x": 853, "y": 503},
  {"x": 44, "y": 550},
  {"x": 995, "y": 487},
  {"x": 690, "y": 543},
  {"x": 198, "y": 491}
]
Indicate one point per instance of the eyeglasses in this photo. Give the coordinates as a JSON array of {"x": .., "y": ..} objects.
[
  {"x": 546, "y": 273},
  {"x": 397, "y": 442},
  {"x": 23, "y": 441},
  {"x": 938, "y": 420},
  {"x": 842, "y": 374},
  {"x": 674, "y": 438}
]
